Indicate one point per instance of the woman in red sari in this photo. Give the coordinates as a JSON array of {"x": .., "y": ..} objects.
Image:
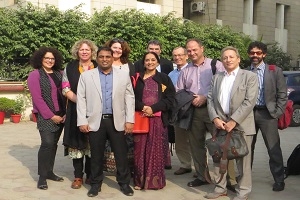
[{"x": 154, "y": 96}]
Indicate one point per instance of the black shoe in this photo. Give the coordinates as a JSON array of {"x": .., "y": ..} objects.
[
  {"x": 278, "y": 186},
  {"x": 54, "y": 177},
  {"x": 42, "y": 184},
  {"x": 126, "y": 189},
  {"x": 231, "y": 187},
  {"x": 182, "y": 170},
  {"x": 95, "y": 189},
  {"x": 197, "y": 182},
  {"x": 168, "y": 167}
]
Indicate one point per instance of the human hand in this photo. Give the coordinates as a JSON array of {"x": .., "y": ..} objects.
[
  {"x": 57, "y": 119},
  {"x": 128, "y": 128},
  {"x": 199, "y": 100},
  {"x": 219, "y": 123},
  {"x": 84, "y": 128},
  {"x": 147, "y": 110},
  {"x": 230, "y": 125}
]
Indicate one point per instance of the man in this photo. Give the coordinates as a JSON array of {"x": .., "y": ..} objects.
[
  {"x": 231, "y": 100},
  {"x": 182, "y": 146},
  {"x": 196, "y": 78},
  {"x": 165, "y": 66},
  {"x": 105, "y": 109},
  {"x": 270, "y": 105}
]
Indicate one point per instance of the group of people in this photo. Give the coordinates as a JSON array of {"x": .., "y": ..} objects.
[{"x": 94, "y": 99}]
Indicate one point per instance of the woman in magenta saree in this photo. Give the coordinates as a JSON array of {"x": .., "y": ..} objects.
[{"x": 154, "y": 94}]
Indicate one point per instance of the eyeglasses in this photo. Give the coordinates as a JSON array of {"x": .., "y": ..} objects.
[
  {"x": 252, "y": 53},
  {"x": 49, "y": 59}
]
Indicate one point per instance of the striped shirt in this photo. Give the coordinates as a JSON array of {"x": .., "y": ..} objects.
[{"x": 260, "y": 75}]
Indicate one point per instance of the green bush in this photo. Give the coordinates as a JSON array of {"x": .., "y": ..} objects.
[
  {"x": 25, "y": 29},
  {"x": 6, "y": 104}
]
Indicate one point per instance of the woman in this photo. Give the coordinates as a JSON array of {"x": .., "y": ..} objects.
[
  {"x": 76, "y": 143},
  {"x": 44, "y": 84},
  {"x": 121, "y": 51},
  {"x": 154, "y": 93}
]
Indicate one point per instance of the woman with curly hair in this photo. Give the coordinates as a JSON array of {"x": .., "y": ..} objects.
[
  {"x": 75, "y": 142},
  {"x": 44, "y": 84}
]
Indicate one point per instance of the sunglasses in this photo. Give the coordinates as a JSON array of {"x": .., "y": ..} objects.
[
  {"x": 118, "y": 40},
  {"x": 252, "y": 53}
]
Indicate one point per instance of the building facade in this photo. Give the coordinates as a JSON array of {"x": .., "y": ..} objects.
[{"x": 267, "y": 20}]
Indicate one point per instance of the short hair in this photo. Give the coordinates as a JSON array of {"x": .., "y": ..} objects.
[
  {"x": 263, "y": 47},
  {"x": 75, "y": 48},
  {"x": 156, "y": 56},
  {"x": 125, "y": 48},
  {"x": 184, "y": 50},
  {"x": 154, "y": 42},
  {"x": 36, "y": 60},
  {"x": 104, "y": 48},
  {"x": 230, "y": 48},
  {"x": 194, "y": 40}
]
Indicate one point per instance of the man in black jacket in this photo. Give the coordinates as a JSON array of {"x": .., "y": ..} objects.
[{"x": 165, "y": 66}]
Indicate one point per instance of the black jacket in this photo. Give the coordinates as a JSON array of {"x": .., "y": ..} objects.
[
  {"x": 165, "y": 98},
  {"x": 182, "y": 111}
]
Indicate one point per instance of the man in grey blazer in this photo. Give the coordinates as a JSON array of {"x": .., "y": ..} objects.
[
  {"x": 105, "y": 109},
  {"x": 231, "y": 99},
  {"x": 270, "y": 105}
]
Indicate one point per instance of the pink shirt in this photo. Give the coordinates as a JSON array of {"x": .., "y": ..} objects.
[{"x": 197, "y": 79}]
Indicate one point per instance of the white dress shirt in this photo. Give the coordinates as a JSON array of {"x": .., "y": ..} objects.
[{"x": 226, "y": 87}]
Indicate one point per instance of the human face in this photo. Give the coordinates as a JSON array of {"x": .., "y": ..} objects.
[
  {"x": 105, "y": 60},
  {"x": 150, "y": 62},
  {"x": 179, "y": 57},
  {"x": 48, "y": 61},
  {"x": 154, "y": 48},
  {"x": 85, "y": 52},
  {"x": 117, "y": 49},
  {"x": 195, "y": 52},
  {"x": 230, "y": 60},
  {"x": 256, "y": 56}
]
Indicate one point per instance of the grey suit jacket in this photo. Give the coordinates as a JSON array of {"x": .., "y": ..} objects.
[
  {"x": 89, "y": 99},
  {"x": 275, "y": 90},
  {"x": 242, "y": 100}
]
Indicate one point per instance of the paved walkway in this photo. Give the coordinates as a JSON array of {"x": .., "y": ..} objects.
[{"x": 18, "y": 171}]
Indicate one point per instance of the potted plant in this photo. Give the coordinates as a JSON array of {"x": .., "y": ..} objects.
[
  {"x": 17, "y": 109},
  {"x": 5, "y": 105}
]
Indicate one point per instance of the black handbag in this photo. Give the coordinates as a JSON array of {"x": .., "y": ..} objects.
[{"x": 232, "y": 143}]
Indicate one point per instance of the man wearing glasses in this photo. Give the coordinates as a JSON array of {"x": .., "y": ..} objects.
[{"x": 270, "y": 105}]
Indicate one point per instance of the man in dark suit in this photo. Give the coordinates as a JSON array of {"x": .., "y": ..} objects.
[
  {"x": 165, "y": 66},
  {"x": 270, "y": 105}
]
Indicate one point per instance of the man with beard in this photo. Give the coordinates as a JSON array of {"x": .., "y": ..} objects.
[{"x": 270, "y": 105}]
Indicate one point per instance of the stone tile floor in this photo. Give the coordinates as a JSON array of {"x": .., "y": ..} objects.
[{"x": 18, "y": 171}]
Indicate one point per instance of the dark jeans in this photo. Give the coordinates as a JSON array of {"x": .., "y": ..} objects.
[
  {"x": 79, "y": 165},
  {"x": 47, "y": 151}
]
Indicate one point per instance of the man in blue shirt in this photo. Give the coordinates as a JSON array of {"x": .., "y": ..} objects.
[{"x": 182, "y": 145}]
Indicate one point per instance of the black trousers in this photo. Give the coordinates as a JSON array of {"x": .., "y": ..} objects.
[
  {"x": 118, "y": 144},
  {"x": 47, "y": 151},
  {"x": 268, "y": 127},
  {"x": 81, "y": 164}
]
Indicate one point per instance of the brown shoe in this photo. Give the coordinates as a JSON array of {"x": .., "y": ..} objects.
[
  {"x": 76, "y": 183},
  {"x": 181, "y": 171}
]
